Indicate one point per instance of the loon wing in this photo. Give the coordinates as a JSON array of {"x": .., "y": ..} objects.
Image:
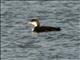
[
  {"x": 46, "y": 29},
  {"x": 49, "y": 28}
]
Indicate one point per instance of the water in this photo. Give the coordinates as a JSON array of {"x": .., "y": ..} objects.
[{"x": 19, "y": 43}]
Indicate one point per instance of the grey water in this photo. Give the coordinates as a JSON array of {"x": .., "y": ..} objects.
[{"x": 18, "y": 42}]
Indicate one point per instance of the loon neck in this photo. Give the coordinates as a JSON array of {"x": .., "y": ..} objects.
[{"x": 33, "y": 28}]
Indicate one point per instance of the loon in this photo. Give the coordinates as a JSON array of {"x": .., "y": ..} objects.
[{"x": 37, "y": 28}]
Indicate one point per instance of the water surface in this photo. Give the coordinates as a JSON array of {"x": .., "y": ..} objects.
[{"x": 19, "y": 43}]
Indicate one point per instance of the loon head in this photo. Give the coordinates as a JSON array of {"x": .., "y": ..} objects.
[{"x": 34, "y": 23}]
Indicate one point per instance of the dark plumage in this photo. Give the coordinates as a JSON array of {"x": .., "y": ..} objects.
[
  {"x": 46, "y": 29},
  {"x": 38, "y": 28}
]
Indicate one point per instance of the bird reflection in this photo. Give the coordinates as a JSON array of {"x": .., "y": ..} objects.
[{"x": 34, "y": 34}]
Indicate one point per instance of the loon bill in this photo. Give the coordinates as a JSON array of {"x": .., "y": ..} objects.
[{"x": 37, "y": 28}]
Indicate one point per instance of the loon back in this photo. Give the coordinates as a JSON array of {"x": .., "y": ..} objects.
[{"x": 46, "y": 29}]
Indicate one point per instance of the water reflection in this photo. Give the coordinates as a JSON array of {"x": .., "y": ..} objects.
[{"x": 34, "y": 34}]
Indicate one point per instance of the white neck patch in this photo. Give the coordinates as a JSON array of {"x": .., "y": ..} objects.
[
  {"x": 34, "y": 24},
  {"x": 32, "y": 29}
]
